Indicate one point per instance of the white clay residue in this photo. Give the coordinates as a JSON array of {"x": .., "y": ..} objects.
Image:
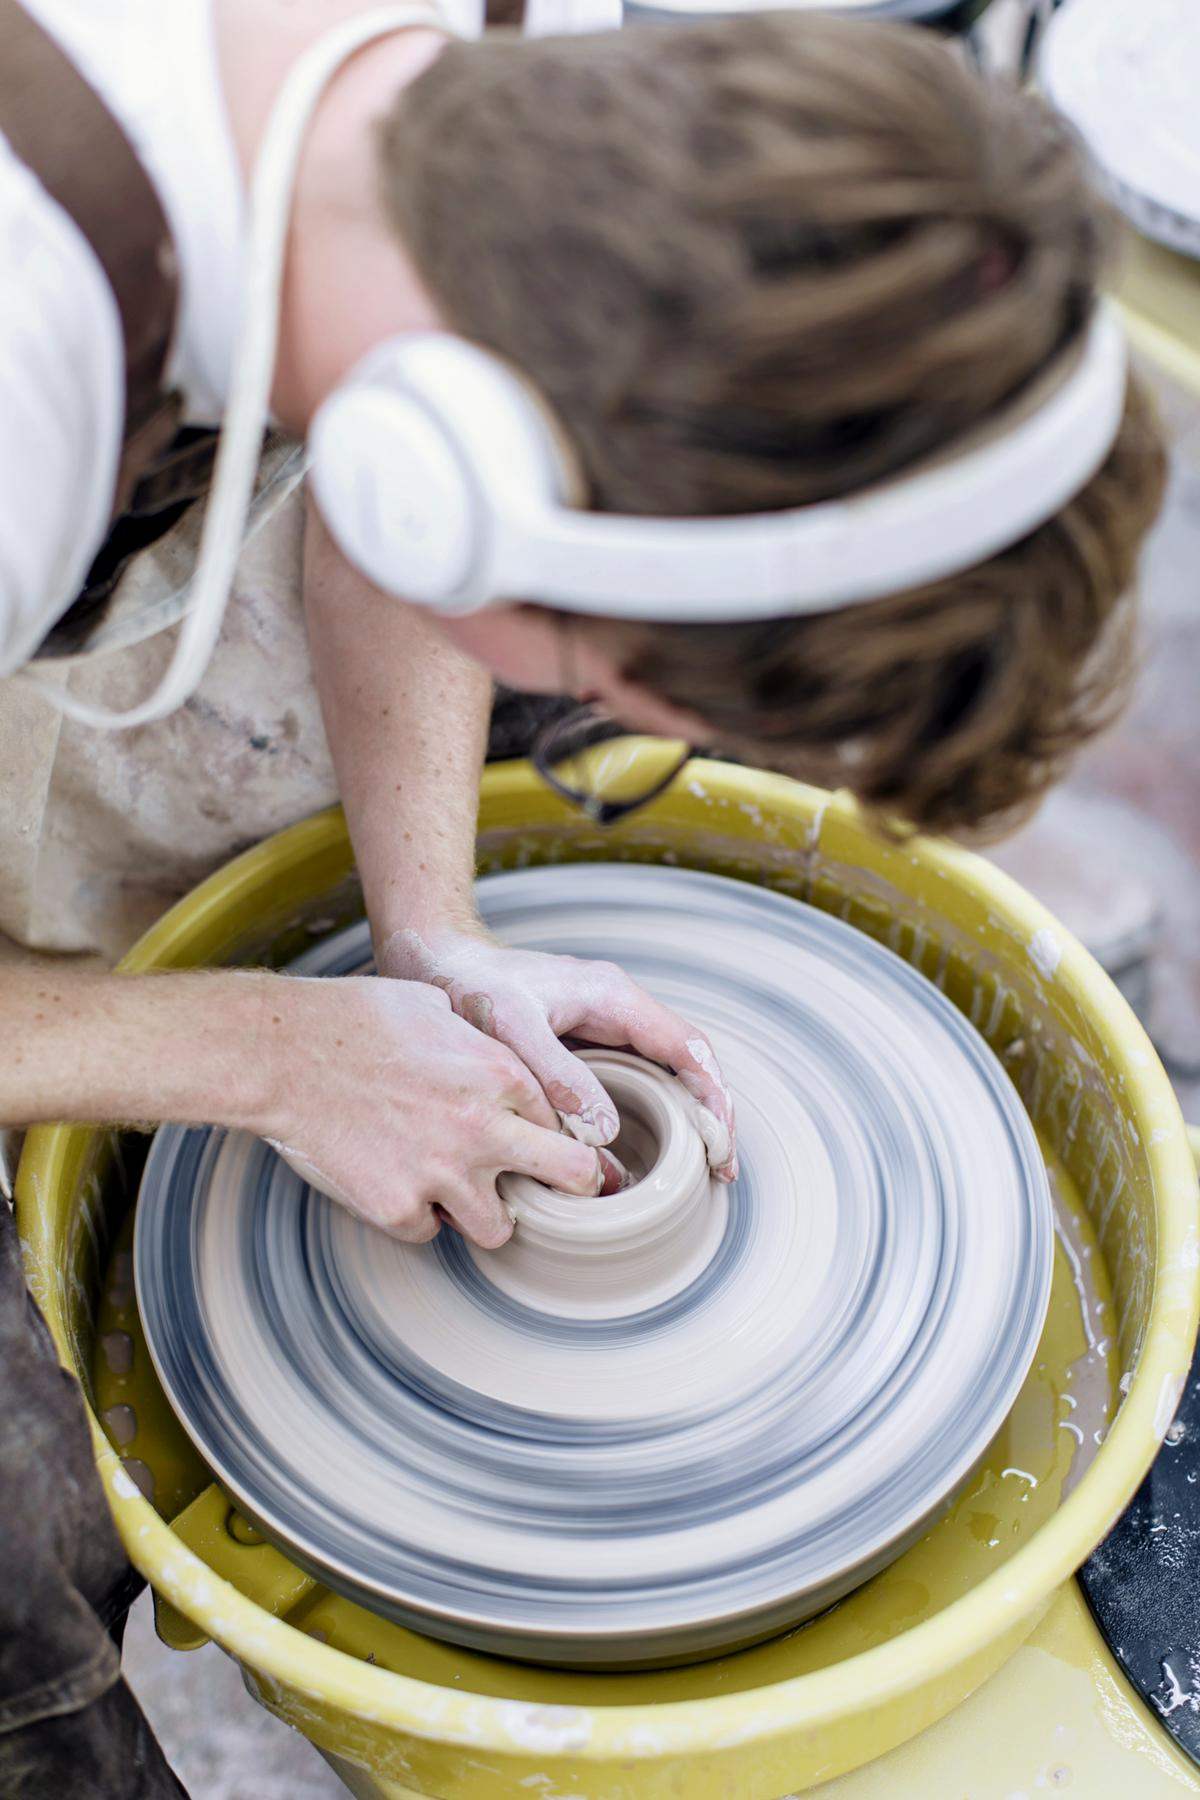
[
  {"x": 1169, "y": 1396},
  {"x": 1046, "y": 951},
  {"x": 1088, "y": 1383},
  {"x": 123, "y": 1486},
  {"x": 546, "y": 1730}
]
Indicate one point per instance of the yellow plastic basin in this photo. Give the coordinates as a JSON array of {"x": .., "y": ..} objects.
[{"x": 406, "y": 1716}]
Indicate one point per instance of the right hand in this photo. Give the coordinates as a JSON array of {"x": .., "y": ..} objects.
[{"x": 393, "y": 1106}]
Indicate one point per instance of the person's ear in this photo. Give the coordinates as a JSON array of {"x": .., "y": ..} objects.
[
  {"x": 638, "y": 706},
  {"x": 524, "y": 647}
]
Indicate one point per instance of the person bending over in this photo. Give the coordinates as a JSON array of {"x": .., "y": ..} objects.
[{"x": 751, "y": 264}]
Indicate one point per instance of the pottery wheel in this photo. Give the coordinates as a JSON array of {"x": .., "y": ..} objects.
[{"x": 654, "y": 1425}]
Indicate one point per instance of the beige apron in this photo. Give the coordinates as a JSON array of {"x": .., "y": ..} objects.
[{"x": 101, "y": 831}]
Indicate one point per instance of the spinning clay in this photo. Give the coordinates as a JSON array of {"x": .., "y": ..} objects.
[{"x": 662, "y": 1422}]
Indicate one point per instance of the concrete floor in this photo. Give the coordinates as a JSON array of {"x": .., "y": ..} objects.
[
  {"x": 1116, "y": 851},
  {"x": 221, "y": 1744}
]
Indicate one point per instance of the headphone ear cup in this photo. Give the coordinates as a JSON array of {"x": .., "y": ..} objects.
[
  {"x": 430, "y": 460},
  {"x": 517, "y": 456},
  {"x": 393, "y": 494},
  {"x": 569, "y": 487}
]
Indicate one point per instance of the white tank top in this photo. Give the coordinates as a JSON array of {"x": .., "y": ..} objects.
[{"x": 154, "y": 63}]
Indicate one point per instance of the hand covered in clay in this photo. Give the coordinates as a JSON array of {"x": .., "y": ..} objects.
[
  {"x": 391, "y": 1105},
  {"x": 529, "y": 1001}
]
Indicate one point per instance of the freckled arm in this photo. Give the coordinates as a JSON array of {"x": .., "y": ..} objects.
[
  {"x": 407, "y": 719},
  {"x": 197, "y": 1047}
]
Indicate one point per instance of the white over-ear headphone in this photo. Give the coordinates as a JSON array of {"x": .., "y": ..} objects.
[{"x": 441, "y": 477}]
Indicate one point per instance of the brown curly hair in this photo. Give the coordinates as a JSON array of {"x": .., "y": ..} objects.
[{"x": 760, "y": 262}]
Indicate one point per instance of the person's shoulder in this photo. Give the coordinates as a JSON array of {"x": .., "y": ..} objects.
[{"x": 49, "y": 269}]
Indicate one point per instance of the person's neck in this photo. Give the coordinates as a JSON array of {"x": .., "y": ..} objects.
[{"x": 348, "y": 283}]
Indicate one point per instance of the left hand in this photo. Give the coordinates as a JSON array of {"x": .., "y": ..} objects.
[{"x": 529, "y": 1000}]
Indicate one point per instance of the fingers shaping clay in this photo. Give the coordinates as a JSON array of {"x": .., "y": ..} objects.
[
  {"x": 618, "y": 1255},
  {"x": 657, "y": 1423}
]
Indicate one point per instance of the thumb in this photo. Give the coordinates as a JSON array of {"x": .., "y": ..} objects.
[{"x": 579, "y": 1099}]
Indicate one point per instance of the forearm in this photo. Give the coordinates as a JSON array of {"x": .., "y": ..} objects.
[
  {"x": 407, "y": 717},
  {"x": 373, "y": 1091},
  {"x": 196, "y": 1048}
]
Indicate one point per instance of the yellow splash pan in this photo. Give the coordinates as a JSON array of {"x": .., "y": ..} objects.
[{"x": 399, "y": 1715}]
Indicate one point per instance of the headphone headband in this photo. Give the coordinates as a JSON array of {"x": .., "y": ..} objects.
[{"x": 439, "y": 475}]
